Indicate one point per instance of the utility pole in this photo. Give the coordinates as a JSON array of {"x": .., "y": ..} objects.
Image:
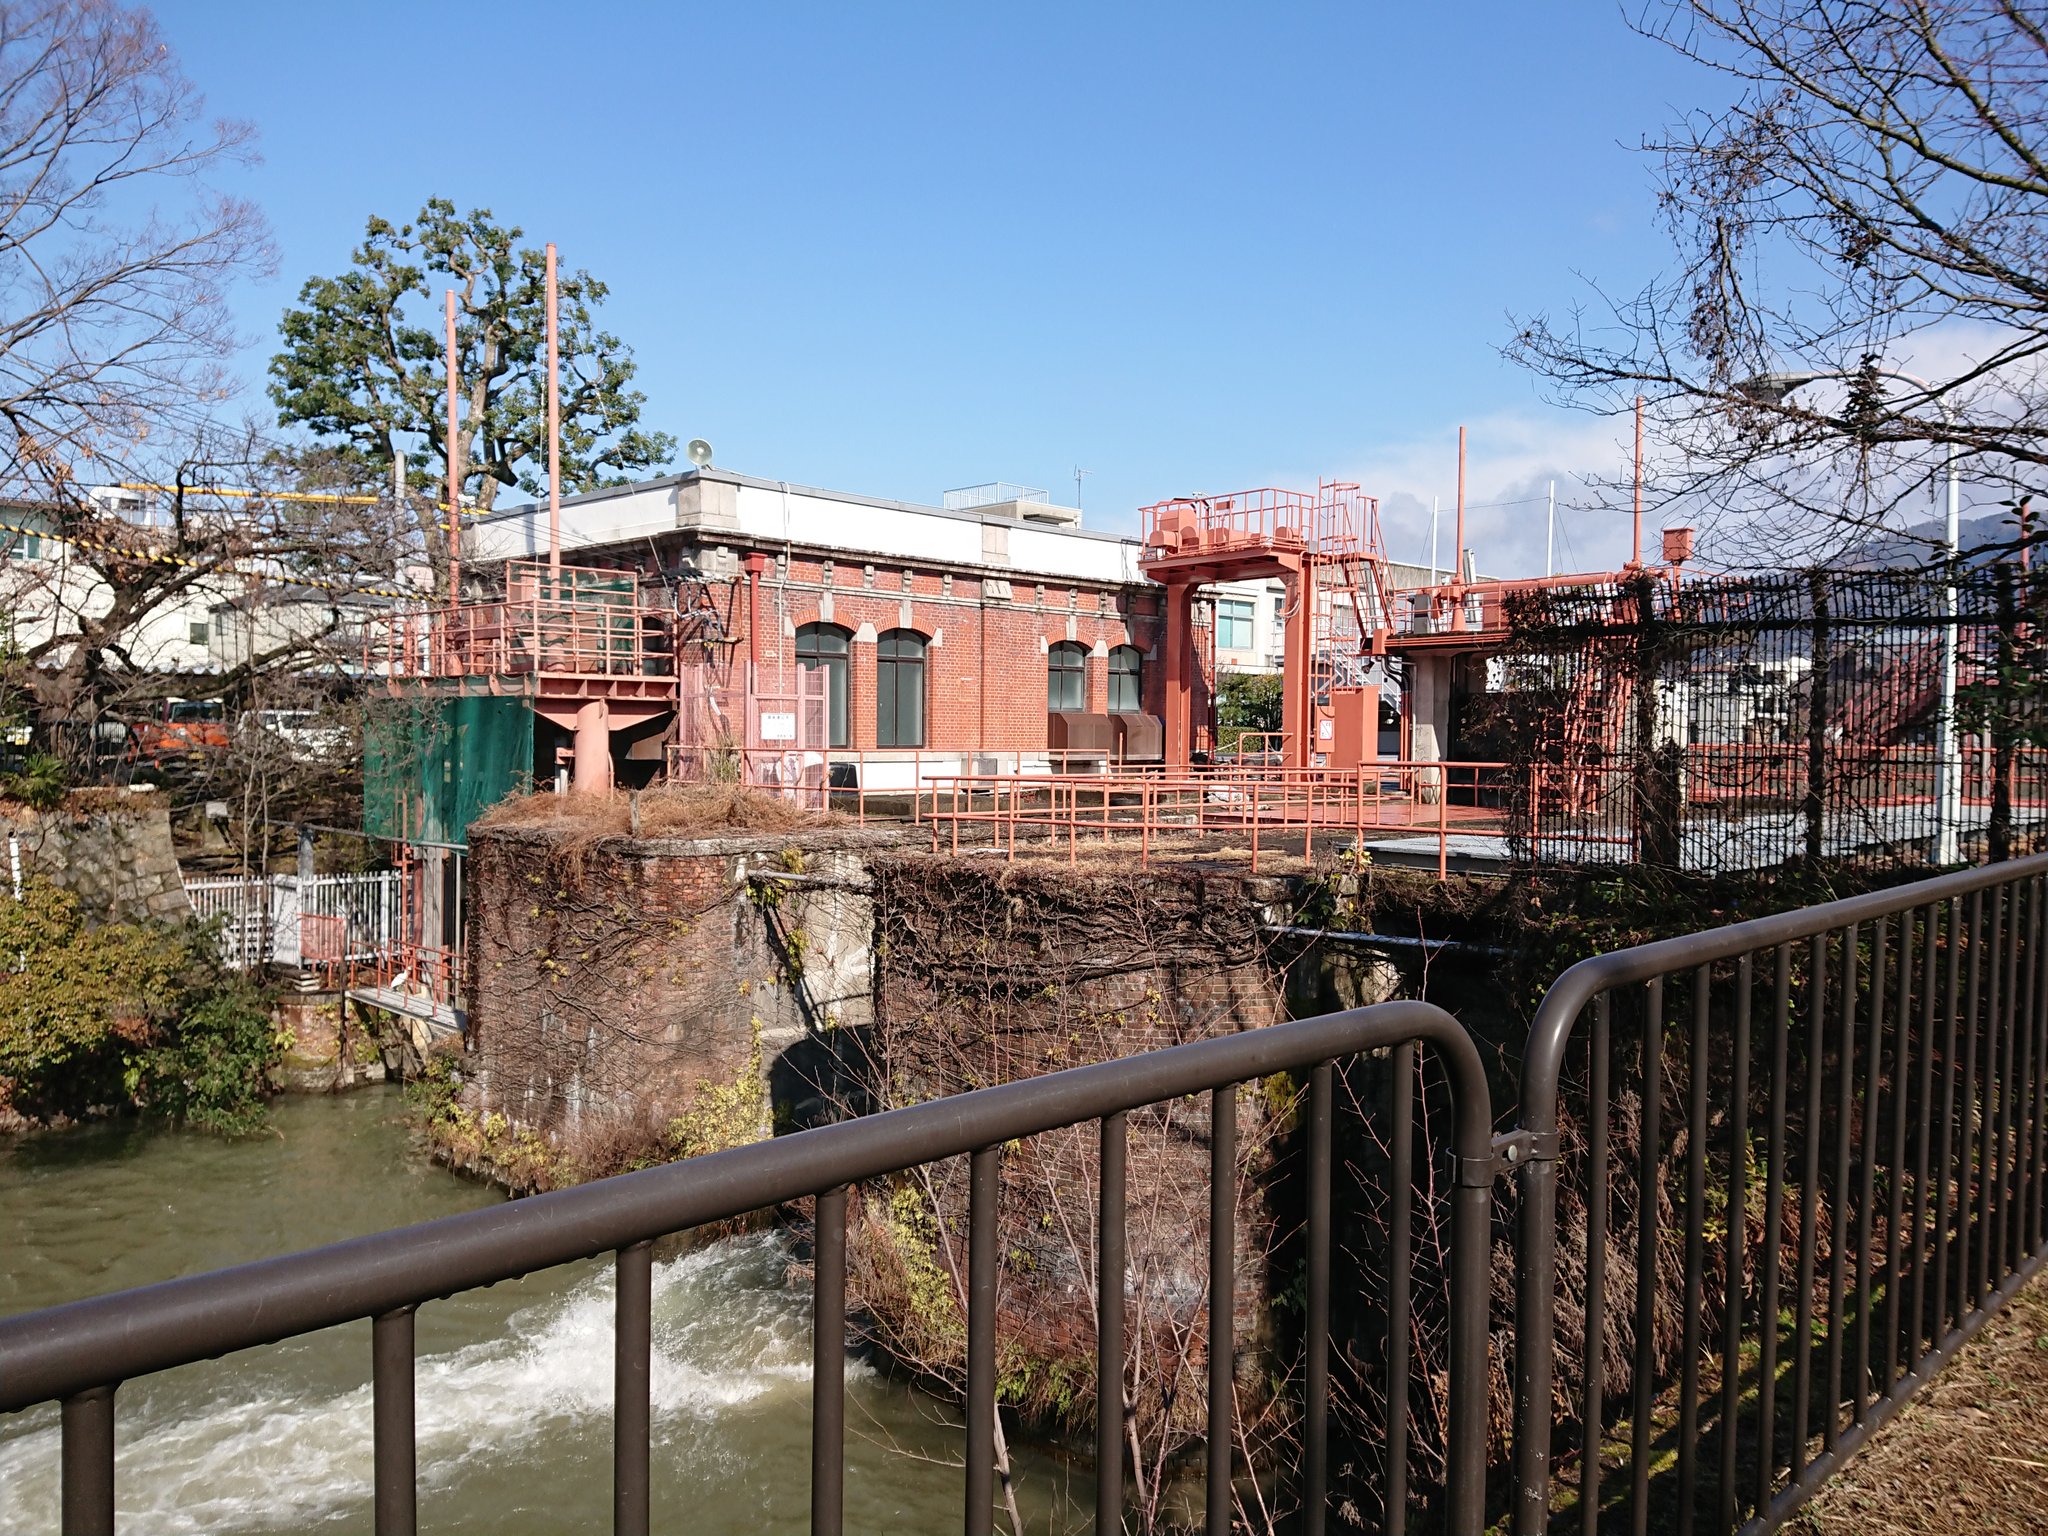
[
  {"x": 1432, "y": 540},
  {"x": 1550, "y": 532},
  {"x": 1636, "y": 559},
  {"x": 554, "y": 430},
  {"x": 454, "y": 470}
]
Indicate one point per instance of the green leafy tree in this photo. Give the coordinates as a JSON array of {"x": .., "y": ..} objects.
[
  {"x": 1248, "y": 701},
  {"x": 363, "y": 367}
]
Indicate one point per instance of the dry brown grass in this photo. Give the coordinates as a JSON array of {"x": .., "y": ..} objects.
[
  {"x": 668, "y": 810},
  {"x": 1969, "y": 1454}
]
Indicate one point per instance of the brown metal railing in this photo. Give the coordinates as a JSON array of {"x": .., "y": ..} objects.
[
  {"x": 81, "y": 1353},
  {"x": 1856, "y": 1094}
]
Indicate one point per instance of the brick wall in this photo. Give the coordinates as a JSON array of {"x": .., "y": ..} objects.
[
  {"x": 985, "y": 666},
  {"x": 991, "y": 973},
  {"x": 611, "y": 984}
]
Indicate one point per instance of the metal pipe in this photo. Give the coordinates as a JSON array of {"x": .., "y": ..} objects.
[
  {"x": 1383, "y": 940},
  {"x": 1948, "y": 790},
  {"x": 1315, "y": 1480},
  {"x": 1222, "y": 1305},
  {"x": 1458, "y": 546},
  {"x": 1400, "y": 1276},
  {"x": 395, "y": 1454},
  {"x": 981, "y": 1341}
]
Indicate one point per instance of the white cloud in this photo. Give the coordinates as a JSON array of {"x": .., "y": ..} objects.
[{"x": 1511, "y": 459}]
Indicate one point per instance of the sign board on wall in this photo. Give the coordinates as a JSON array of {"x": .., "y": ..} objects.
[{"x": 778, "y": 725}]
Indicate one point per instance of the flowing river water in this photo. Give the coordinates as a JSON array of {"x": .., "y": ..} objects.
[{"x": 514, "y": 1383}]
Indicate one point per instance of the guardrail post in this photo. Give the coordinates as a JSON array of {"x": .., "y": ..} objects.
[
  {"x": 1222, "y": 1304},
  {"x": 632, "y": 1416},
  {"x": 397, "y": 1468},
  {"x": 828, "y": 1365},
  {"x": 981, "y": 1342},
  {"x": 87, "y": 1475},
  {"x": 1110, "y": 1263}
]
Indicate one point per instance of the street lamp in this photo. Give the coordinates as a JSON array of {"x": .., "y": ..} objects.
[{"x": 1771, "y": 389}]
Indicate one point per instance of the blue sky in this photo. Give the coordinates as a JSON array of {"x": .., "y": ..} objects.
[{"x": 894, "y": 248}]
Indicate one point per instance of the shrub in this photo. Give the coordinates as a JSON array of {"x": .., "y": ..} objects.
[
  {"x": 39, "y": 783},
  {"x": 131, "y": 1014}
]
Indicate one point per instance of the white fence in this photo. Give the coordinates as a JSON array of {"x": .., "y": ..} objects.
[{"x": 272, "y": 919}]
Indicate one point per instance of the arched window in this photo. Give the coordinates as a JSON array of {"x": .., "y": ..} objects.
[
  {"x": 1126, "y": 679},
  {"x": 899, "y": 689},
  {"x": 824, "y": 646},
  {"x": 1066, "y": 676}
]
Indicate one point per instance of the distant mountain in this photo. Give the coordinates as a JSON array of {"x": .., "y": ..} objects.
[{"x": 1918, "y": 545}]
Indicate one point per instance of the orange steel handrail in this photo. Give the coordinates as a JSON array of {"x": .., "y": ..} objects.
[{"x": 1257, "y": 800}]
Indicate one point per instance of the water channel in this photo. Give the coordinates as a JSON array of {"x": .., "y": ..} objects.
[{"x": 514, "y": 1383}]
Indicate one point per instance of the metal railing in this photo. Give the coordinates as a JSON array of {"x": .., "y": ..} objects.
[
  {"x": 1262, "y": 803},
  {"x": 574, "y": 622},
  {"x": 281, "y": 919},
  {"x": 1861, "y": 1101},
  {"x": 79, "y": 1354}
]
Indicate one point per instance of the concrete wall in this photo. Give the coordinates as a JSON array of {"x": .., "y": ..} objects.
[{"x": 111, "y": 849}]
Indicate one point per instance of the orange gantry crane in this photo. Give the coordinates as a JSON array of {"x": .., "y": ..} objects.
[{"x": 1324, "y": 544}]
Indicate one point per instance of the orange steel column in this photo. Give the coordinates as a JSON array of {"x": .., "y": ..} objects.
[
  {"x": 1180, "y": 640},
  {"x": 1297, "y": 682},
  {"x": 593, "y": 749}
]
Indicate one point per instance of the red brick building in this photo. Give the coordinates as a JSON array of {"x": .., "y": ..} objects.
[{"x": 938, "y": 636}]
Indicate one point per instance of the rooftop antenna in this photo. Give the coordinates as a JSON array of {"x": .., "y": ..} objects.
[{"x": 1078, "y": 473}]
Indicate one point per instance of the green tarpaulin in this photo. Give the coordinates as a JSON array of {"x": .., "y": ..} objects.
[{"x": 433, "y": 763}]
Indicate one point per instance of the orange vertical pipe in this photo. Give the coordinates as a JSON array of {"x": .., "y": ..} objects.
[
  {"x": 1458, "y": 552},
  {"x": 454, "y": 470},
  {"x": 554, "y": 426}
]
